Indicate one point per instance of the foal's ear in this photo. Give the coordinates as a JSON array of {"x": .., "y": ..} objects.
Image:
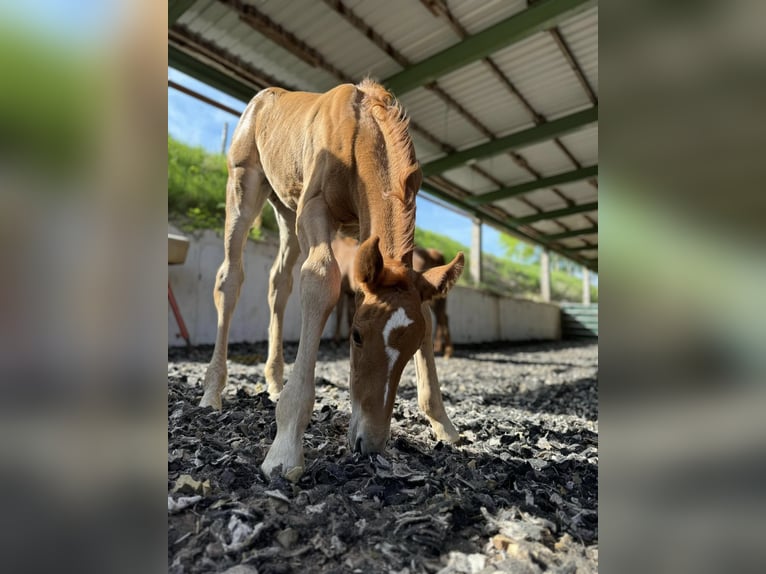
[
  {"x": 368, "y": 265},
  {"x": 438, "y": 280}
]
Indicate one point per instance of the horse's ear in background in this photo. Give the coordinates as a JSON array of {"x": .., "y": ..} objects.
[
  {"x": 437, "y": 281},
  {"x": 368, "y": 266}
]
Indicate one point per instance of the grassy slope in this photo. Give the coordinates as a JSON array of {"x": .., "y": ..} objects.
[
  {"x": 197, "y": 199},
  {"x": 506, "y": 277},
  {"x": 197, "y": 190}
]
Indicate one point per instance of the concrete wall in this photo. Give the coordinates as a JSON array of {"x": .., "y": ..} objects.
[{"x": 475, "y": 316}]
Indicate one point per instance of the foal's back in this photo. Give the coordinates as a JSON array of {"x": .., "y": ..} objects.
[{"x": 304, "y": 142}]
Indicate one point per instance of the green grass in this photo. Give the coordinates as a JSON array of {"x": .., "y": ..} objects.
[
  {"x": 197, "y": 200},
  {"x": 197, "y": 190}
]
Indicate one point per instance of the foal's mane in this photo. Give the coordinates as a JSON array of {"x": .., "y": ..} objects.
[{"x": 393, "y": 123}]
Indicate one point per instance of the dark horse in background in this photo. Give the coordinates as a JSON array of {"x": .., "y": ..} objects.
[{"x": 345, "y": 249}]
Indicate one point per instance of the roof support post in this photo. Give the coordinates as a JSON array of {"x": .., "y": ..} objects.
[
  {"x": 476, "y": 263},
  {"x": 545, "y": 276},
  {"x": 585, "y": 286}
]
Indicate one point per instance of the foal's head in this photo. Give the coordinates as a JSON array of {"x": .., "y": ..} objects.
[{"x": 388, "y": 328}]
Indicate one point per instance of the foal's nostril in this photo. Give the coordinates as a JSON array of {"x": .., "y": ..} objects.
[{"x": 358, "y": 444}]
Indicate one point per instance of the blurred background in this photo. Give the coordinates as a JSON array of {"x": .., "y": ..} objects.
[{"x": 83, "y": 217}]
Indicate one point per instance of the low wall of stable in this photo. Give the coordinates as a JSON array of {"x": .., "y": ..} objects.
[{"x": 475, "y": 316}]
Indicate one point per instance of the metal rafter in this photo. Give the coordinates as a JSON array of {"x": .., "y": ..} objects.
[
  {"x": 203, "y": 98},
  {"x": 217, "y": 67},
  {"x": 572, "y": 61},
  {"x": 518, "y": 139},
  {"x": 440, "y": 8},
  {"x": 541, "y": 16},
  {"x": 257, "y": 20},
  {"x": 572, "y": 233},
  {"x": 582, "y": 208},
  {"x": 583, "y": 248},
  {"x": 511, "y": 191}
]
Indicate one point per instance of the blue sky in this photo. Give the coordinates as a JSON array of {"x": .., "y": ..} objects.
[{"x": 199, "y": 124}]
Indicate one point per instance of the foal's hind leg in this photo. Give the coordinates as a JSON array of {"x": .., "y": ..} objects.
[
  {"x": 280, "y": 287},
  {"x": 246, "y": 192},
  {"x": 429, "y": 393}
]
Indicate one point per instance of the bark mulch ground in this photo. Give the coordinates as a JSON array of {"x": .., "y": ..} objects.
[{"x": 518, "y": 494}]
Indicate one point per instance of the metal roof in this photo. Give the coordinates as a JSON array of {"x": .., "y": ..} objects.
[{"x": 502, "y": 94}]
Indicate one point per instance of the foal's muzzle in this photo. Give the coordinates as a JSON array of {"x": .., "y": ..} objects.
[{"x": 363, "y": 441}]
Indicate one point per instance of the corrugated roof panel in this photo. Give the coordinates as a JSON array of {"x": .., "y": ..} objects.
[
  {"x": 441, "y": 120},
  {"x": 276, "y": 61},
  {"x": 482, "y": 94},
  {"x": 539, "y": 70},
  {"x": 221, "y": 25},
  {"x": 577, "y": 242},
  {"x": 502, "y": 167},
  {"x": 515, "y": 207},
  {"x": 327, "y": 32},
  {"x": 545, "y": 199},
  {"x": 546, "y": 158},
  {"x": 425, "y": 151},
  {"x": 225, "y": 28},
  {"x": 547, "y": 227},
  {"x": 468, "y": 179},
  {"x": 201, "y": 15},
  {"x": 476, "y": 15},
  {"x": 583, "y": 144},
  {"x": 406, "y": 25},
  {"x": 579, "y": 191},
  {"x": 576, "y": 221},
  {"x": 581, "y": 35}
]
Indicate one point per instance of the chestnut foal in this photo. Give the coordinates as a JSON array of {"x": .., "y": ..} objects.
[{"x": 342, "y": 160}]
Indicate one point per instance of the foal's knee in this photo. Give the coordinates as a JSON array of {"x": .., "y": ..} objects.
[
  {"x": 229, "y": 279},
  {"x": 320, "y": 285}
]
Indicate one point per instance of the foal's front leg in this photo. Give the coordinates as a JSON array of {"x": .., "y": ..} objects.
[
  {"x": 320, "y": 287},
  {"x": 429, "y": 393}
]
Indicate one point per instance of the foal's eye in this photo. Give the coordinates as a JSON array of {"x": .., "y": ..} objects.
[{"x": 356, "y": 336}]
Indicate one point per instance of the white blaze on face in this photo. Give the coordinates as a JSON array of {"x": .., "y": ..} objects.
[{"x": 397, "y": 320}]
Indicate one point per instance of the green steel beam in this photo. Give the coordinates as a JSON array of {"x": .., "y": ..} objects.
[
  {"x": 188, "y": 65},
  {"x": 572, "y": 233},
  {"x": 176, "y": 9},
  {"x": 554, "y": 214},
  {"x": 541, "y": 132},
  {"x": 541, "y": 16},
  {"x": 542, "y": 183},
  {"x": 503, "y": 225},
  {"x": 582, "y": 248}
]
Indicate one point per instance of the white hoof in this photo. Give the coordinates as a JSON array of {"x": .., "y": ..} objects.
[
  {"x": 289, "y": 459},
  {"x": 211, "y": 400},
  {"x": 445, "y": 431}
]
